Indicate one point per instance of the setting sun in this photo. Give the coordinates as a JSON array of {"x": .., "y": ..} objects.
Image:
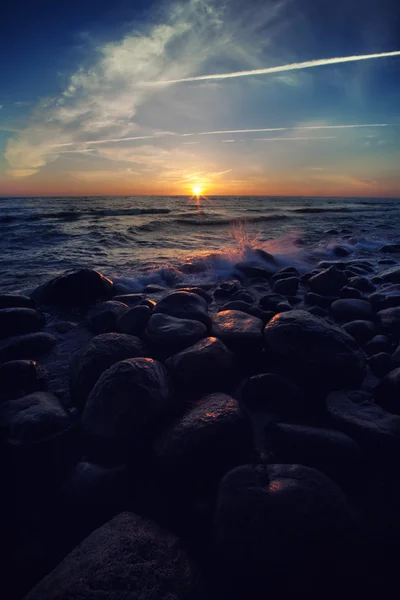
[{"x": 197, "y": 190}]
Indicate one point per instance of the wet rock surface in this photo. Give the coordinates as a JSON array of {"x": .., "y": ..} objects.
[
  {"x": 97, "y": 356},
  {"x": 293, "y": 373},
  {"x": 127, "y": 557},
  {"x": 313, "y": 351}
]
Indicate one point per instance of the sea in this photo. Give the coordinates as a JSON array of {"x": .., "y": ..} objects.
[{"x": 177, "y": 240}]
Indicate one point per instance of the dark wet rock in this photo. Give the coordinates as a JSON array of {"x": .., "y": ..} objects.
[
  {"x": 351, "y": 309},
  {"x": 395, "y": 356},
  {"x": 274, "y": 302},
  {"x": 332, "y": 452},
  {"x": 134, "y": 320},
  {"x": 17, "y": 321},
  {"x": 226, "y": 289},
  {"x": 200, "y": 292},
  {"x": 381, "y": 363},
  {"x": 282, "y": 548},
  {"x": 387, "y": 393},
  {"x": 272, "y": 394},
  {"x": 193, "y": 443},
  {"x": 154, "y": 288},
  {"x": 389, "y": 320},
  {"x": 39, "y": 440},
  {"x": 103, "y": 317},
  {"x": 92, "y": 494},
  {"x": 391, "y": 275},
  {"x": 369, "y": 424},
  {"x": 249, "y": 271},
  {"x": 287, "y": 286},
  {"x": 170, "y": 335},
  {"x": 340, "y": 251},
  {"x": 362, "y": 331},
  {"x": 379, "y": 343},
  {"x": 266, "y": 257},
  {"x": 317, "y": 300},
  {"x": 124, "y": 405},
  {"x": 207, "y": 365},
  {"x": 64, "y": 326},
  {"x": 130, "y": 299},
  {"x": 148, "y": 302},
  {"x": 240, "y": 331},
  {"x": 247, "y": 308},
  {"x": 81, "y": 287},
  {"x": 129, "y": 557},
  {"x": 16, "y": 300},
  {"x": 361, "y": 283},
  {"x": 244, "y": 296},
  {"x": 29, "y": 346},
  {"x": 350, "y": 292},
  {"x": 285, "y": 272},
  {"x": 390, "y": 248},
  {"x": 381, "y": 300},
  {"x": 184, "y": 305},
  {"x": 328, "y": 282},
  {"x": 97, "y": 356},
  {"x": 318, "y": 311},
  {"x": 326, "y": 264},
  {"x": 20, "y": 378},
  {"x": 313, "y": 352}
]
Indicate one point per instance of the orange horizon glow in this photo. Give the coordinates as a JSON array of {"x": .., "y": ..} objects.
[{"x": 50, "y": 188}]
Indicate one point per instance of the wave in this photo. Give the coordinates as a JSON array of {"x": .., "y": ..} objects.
[
  {"x": 72, "y": 215},
  {"x": 229, "y": 221},
  {"x": 315, "y": 210}
]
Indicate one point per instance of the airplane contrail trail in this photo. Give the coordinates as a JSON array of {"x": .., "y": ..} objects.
[
  {"x": 290, "y": 139},
  {"x": 218, "y": 132},
  {"x": 289, "y": 67}
]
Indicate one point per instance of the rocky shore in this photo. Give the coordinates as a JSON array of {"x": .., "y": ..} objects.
[{"x": 233, "y": 440}]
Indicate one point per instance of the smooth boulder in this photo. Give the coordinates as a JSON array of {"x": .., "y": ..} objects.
[
  {"x": 389, "y": 320},
  {"x": 134, "y": 320},
  {"x": 169, "y": 334},
  {"x": 272, "y": 394},
  {"x": 287, "y": 286},
  {"x": 29, "y": 346},
  {"x": 278, "y": 530},
  {"x": 350, "y": 309},
  {"x": 125, "y": 404},
  {"x": 313, "y": 352},
  {"x": 39, "y": 440},
  {"x": 387, "y": 392},
  {"x": 21, "y": 377},
  {"x": 184, "y": 305},
  {"x": 82, "y": 287},
  {"x": 370, "y": 425},
  {"x": 17, "y": 321},
  {"x": 16, "y": 300},
  {"x": 193, "y": 442},
  {"x": 328, "y": 282},
  {"x": 207, "y": 365},
  {"x": 240, "y": 331},
  {"x": 361, "y": 330},
  {"x": 103, "y": 317},
  {"x": 128, "y": 557},
  {"x": 97, "y": 356}
]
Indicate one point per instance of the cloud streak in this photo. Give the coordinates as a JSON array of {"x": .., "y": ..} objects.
[
  {"x": 219, "y": 132},
  {"x": 309, "y": 64}
]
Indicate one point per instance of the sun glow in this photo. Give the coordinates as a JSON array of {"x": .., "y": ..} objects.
[{"x": 197, "y": 190}]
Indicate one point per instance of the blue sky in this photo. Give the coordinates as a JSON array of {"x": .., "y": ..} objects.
[{"x": 84, "y": 110}]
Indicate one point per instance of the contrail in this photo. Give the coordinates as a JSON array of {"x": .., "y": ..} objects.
[
  {"x": 309, "y": 64},
  {"x": 279, "y": 139},
  {"x": 219, "y": 132}
]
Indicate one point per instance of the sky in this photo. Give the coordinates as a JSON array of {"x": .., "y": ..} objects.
[{"x": 123, "y": 97}]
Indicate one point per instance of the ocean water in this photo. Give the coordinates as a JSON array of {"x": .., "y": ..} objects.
[{"x": 172, "y": 240}]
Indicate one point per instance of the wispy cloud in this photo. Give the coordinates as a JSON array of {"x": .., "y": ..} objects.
[{"x": 309, "y": 64}]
